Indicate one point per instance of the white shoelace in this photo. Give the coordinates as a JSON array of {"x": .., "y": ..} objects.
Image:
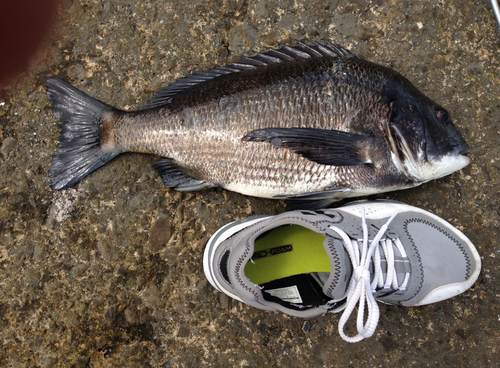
[{"x": 361, "y": 289}]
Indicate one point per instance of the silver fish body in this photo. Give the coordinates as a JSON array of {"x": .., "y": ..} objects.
[{"x": 312, "y": 122}]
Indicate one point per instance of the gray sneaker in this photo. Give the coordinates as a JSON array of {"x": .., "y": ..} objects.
[{"x": 306, "y": 263}]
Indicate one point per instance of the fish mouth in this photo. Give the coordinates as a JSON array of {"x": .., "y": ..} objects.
[{"x": 461, "y": 148}]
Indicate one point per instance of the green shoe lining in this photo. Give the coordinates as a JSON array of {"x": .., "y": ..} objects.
[{"x": 286, "y": 251}]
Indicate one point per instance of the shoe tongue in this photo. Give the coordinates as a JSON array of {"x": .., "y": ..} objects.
[{"x": 337, "y": 282}]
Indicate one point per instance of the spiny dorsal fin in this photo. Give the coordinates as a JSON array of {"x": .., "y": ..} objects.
[{"x": 283, "y": 54}]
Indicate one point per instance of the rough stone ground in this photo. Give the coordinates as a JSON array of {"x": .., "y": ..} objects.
[{"x": 109, "y": 273}]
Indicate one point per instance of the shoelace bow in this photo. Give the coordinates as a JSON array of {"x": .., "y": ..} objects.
[{"x": 361, "y": 289}]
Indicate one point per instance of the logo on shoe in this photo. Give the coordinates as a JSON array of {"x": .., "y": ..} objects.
[{"x": 272, "y": 251}]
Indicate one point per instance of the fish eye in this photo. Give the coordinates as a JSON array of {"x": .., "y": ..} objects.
[{"x": 443, "y": 116}]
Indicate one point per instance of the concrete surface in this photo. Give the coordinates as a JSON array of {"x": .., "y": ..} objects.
[{"x": 109, "y": 273}]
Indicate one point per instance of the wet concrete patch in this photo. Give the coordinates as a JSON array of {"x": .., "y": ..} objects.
[{"x": 92, "y": 276}]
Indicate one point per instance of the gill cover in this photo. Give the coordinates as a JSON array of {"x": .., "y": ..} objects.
[{"x": 423, "y": 140}]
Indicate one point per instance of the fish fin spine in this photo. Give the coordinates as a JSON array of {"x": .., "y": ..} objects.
[{"x": 303, "y": 51}]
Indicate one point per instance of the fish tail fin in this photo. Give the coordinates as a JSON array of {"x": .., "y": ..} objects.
[{"x": 85, "y": 143}]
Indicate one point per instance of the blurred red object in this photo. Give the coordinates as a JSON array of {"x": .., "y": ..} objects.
[{"x": 23, "y": 27}]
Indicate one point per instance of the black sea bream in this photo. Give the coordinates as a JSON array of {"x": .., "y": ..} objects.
[{"x": 312, "y": 122}]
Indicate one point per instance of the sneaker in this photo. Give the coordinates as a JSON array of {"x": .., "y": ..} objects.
[{"x": 306, "y": 263}]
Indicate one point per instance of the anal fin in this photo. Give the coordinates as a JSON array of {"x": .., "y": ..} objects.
[{"x": 174, "y": 177}]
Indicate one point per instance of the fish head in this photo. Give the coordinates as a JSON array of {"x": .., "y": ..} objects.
[{"x": 424, "y": 142}]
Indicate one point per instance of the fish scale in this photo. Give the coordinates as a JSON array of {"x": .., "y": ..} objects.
[
  {"x": 283, "y": 115},
  {"x": 312, "y": 123},
  {"x": 198, "y": 133}
]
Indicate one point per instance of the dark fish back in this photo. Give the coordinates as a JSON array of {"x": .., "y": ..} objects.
[{"x": 242, "y": 81}]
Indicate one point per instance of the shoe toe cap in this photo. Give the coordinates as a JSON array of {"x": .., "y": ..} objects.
[{"x": 445, "y": 260}]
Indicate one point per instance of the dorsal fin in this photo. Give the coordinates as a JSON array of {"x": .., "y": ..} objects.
[{"x": 283, "y": 54}]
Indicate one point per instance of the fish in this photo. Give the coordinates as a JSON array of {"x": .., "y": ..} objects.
[{"x": 311, "y": 123}]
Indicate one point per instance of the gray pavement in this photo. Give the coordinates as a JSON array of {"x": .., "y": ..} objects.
[{"x": 109, "y": 273}]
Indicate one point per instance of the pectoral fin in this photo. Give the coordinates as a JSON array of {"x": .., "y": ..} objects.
[{"x": 327, "y": 147}]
